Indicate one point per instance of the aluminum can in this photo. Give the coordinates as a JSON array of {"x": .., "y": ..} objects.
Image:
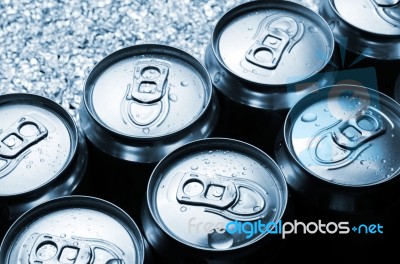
[
  {"x": 368, "y": 34},
  {"x": 43, "y": 154},
  {"x": 338, "y": 148},
  {"x": 201, "y": 195},
  {"x": 140, "y": 103},
  {"x": 74, "y": 229},
  {"x": 263, "y": 57}
]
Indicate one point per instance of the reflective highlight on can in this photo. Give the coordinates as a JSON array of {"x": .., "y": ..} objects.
[
  {"x": 338, "y": 148},
  {"x": 43, "y": 154},
  {"x": 198, "y": 189},
  {"x": 74, "y": 229}
]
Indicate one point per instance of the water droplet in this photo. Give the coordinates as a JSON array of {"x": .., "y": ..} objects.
[
  {"x": 146, "y": 130},
  {"x": 184, "y": 83},
  {"x": 317, "y": 125},
  {"x": 210, "y": 152},
  {"x": 217, "y": 77},
  {"x": 256, "y": 208},
  {"x": 59, "y": 145},
  {"x": 207, "y": 162},
  {"x": 234, "y": 175},
  {"x": 63, "y": 235},
  {"x": 326, "y": 110},
  {"x": 274, "y": 209},
  {"x": 384, "y": 161},
  {"x": 28, "y": 166},
  {"x": 75, "y": 244},
  {"x": 173, "y": 97},
  {"x": 250, "y": 28},
  {"x": 183, "y": 209},
  {"x": 391, "y": 169},
  {"x": 243, "y": 173},
  {"x": 222, "y": 240},
  {"x": 194, "y": 167},
  {"x": 244, "y": 168},
  {"x": 254, "y": 71},
  {"x": 309, "y": 117},
  {"x": 368, "y": 167},
  {"x": 281, "y": 166},
  {"x": 90, "y": 218},
  {"x": 363, "y": 162},
  {"x": 42, "y": 160},
  {"x": 332, "y": 25}
]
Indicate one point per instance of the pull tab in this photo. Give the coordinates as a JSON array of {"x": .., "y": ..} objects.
[
  {"x": 386, "y": 2},
  {"x": 267, "y": 51},
  {"x": 275, "y": 34},
  {"x": 232, "y": 198},
  {"x": 149, "y": 82},
  {"x": 388, "y": 10},
  {"x": 197, "y": 189},
  {"x": 20, "y": 136},
  {"x": 49, "y": 249},
  {"x": 359, "y": 129}
]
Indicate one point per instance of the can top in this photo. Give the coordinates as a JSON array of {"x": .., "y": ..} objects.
[
  {"x": 209, "y": 184},
  {"x": 147, "y": 91},
  {"x": 38, "y": 139},
  {"x": 273, "y": 43},
  {"x": 381, "y": 17},
  {"x": 346, "y": 135},
  {"x": 76, "y": 230}
]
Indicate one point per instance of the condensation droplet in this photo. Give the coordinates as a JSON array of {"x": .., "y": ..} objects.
[
  {"x": 173, "y": 97},
  {"x": 309, "y": 117},
  {"x": 313, "y": 29},
  {"x": 363, "y": 162},
  {"x": 194, "y": 167},
  {"x": 184, "y": 83},
  {"x": 183, "y": 209},
  {"x": 217, "y": 77},
  {"x": 146, "y": 130}
]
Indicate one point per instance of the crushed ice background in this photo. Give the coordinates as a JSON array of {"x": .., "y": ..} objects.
[{"x": 48, "y": 47}]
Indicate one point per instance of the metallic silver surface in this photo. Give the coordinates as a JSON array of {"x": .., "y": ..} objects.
[
  {"x": 213, "y": 181},
  {"x": 341, "y": 140},
  {"x": 365, "y": 26},
  {"x": 259, "y": 48},
  {"x": 41, "y": 148},
  {"x": 73, "y": 229},
  {"x": 154, "y": 97},
  {"x": 49, "y": 47}
]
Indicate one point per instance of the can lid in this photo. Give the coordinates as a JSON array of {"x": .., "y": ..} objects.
[
  {"x": 38, "y": 139},
  {"x": 346, "y": 135},
  {"x": 147, "y": 91},
  {"x": 76, "y": 230},
  {"x": 200, "y": 192},
  {"x": 273, "y": 43},
  {"x": 381, "y": 17}
]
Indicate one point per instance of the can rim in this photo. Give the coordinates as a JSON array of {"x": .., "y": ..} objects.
[
  {"x": 64, "y": 116},
  {"x": 333, "y": 8},
  {"x": 287, "y": 128},
  {"x": 253, "y": 6},
  {"x": 137, "y": 50},
  {"x": 87, "y": 201},
  {"x": 154, "y": 178}
]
